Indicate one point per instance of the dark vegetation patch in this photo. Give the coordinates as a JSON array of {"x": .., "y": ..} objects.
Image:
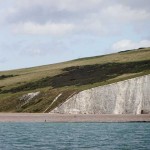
[
  {"x": 1, "y": 88},
  {"x": 125, "y": 51},
  {"x": 142, "y": 48},
  {"x": 136, "y": 50},
  {"x": 6, "y": 76},
  {"x": 83, "y": 75}
]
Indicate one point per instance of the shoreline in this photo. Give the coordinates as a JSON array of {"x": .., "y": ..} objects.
[{"x": 64, "y": 118}]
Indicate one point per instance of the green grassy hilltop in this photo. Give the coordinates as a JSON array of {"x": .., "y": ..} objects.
[{"x": 67, "y": 79}]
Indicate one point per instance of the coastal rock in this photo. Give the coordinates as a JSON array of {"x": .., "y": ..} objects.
[
  {"x": 28, "y": 97},
  {"x": 126, "y": 97}
]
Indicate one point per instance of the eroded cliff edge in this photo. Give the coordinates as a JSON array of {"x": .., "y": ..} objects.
[{"x": 126, "y": 97}]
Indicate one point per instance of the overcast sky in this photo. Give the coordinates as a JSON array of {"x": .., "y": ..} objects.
[{"x": 38, "y": 32}]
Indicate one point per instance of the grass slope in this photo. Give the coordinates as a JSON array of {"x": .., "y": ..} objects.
[{"x": 68, "y": 78}]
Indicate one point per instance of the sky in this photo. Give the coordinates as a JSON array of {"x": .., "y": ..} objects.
[{"x": 40, "y": 32}]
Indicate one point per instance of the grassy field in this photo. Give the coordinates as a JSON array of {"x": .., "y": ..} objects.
[{"x": 68, "y": 78}]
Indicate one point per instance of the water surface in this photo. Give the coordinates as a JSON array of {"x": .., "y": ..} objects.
[{"x": 74, "y": 136}]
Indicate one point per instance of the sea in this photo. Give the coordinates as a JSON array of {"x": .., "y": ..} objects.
[{"x": 74, "y": 136}]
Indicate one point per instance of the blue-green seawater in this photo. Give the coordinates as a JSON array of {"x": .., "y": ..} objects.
[{"x": 74, "y": 136}]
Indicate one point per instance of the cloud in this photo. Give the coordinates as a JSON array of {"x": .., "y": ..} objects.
[
  {"x": 46, "y": 29},
  {"x": 125, "y": 13},
  {"x": 67, "y": 5},
  {"x": 137, "y": 4},
  {"x": 42, "y": 11},
  {"x": 95, "y": 17},
  {"x": 128, "y": 44}
]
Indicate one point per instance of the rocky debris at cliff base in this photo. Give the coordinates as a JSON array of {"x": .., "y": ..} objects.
[{"x": 145, "y": 111}]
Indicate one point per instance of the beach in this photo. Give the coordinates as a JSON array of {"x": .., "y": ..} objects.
[{"x": 46, "y": 117}]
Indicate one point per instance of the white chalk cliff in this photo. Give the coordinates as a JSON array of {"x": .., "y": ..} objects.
[{"x": 126, "y": 97}]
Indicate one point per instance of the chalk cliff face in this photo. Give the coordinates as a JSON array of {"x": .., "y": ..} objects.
[
  {"x": 126, "y": 97},
  {"x": 28, "y": 97}
]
